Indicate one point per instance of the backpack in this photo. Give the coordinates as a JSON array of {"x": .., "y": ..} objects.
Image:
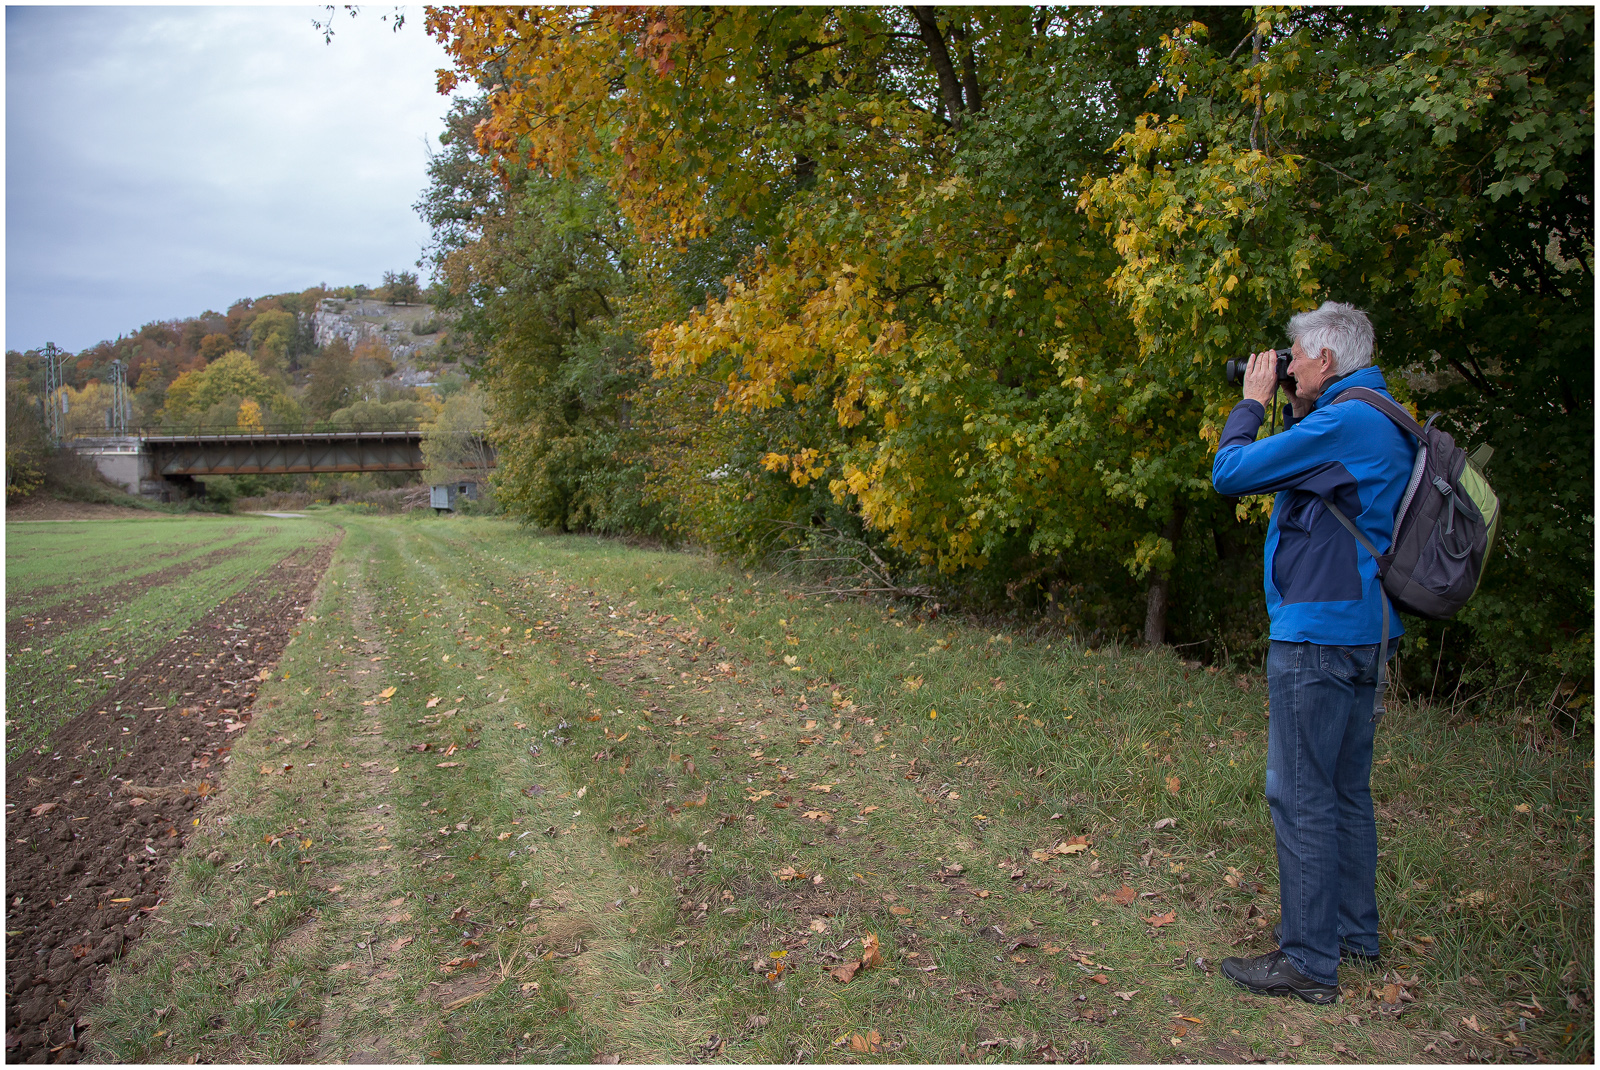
[{"x": 1443, "y": 530}]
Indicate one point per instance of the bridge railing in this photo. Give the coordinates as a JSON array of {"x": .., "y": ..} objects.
[{"x": 304, "y": 427}]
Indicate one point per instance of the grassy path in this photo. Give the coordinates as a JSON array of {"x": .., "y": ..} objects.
[{"x": 514, "y": 798}]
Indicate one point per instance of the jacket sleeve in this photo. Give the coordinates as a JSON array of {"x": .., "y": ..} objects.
[{"x": 1304, "y": 458}]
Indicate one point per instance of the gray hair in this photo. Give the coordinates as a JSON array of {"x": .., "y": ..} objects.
[{"x": 1342, "y": 329}]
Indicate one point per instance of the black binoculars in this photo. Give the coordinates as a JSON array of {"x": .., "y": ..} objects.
[{"x": 1235, "y": 369}]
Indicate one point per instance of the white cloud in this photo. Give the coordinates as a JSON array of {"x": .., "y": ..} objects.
[{"x": 162, "y": 161}]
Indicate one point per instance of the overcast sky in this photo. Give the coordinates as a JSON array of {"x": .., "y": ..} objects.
[{"x": 162, "y": 161}]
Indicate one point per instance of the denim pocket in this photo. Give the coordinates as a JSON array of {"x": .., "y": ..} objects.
[{"x": 1351, "y": 663}]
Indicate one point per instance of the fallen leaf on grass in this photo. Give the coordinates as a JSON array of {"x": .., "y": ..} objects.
[
  {"x": 762, "y": 794},
  {"x": 1126, "y": 996},
  {"x": 816, "y": 815},
  {"x": 1295, "y": 1040},
  {"x": 846, "y": 972},
  {"x": 387, "y": 692},
  {"x": 1124, "y": 895},
  {"x": 1100, "y": 979},
  {"x": 1165, "y": 823},
  {"x": 1076, "y": 845},
  {"x": 1172, "y": 785},
  {"x": 981, "y": 893},
  {"x": 822, "y": 787},
  {"x": 868, "y": 1043},
  {"x": 869, "y": 951},
  {"x": 902, "y": 911},
  {"x": 264, "y": 674},
  {"x": 1158, "y": 920},
  {"x": 868, "y": 810},
  {"x": 789, "y": 873},
  {"x": 342, "y": 967},
  {"x": 400, "y": 943},
  {"x": 1471, "y": 1023},
  {"x": 818, "y": 925},
  {"x": 448, "y": 765},
  {"x": 432, "y": 702}
]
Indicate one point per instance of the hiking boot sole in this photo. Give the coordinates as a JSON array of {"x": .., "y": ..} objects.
[{"x": 1321, "y": 999}]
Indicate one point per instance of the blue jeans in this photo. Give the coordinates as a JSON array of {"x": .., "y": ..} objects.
[{"x": 1319, "y": 770}]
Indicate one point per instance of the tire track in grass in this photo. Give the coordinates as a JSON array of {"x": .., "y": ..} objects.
[
  {"x": 776, "y": 906},
  {"x": 359, "y": 1021},
  {"x": 572, "y": 958}
]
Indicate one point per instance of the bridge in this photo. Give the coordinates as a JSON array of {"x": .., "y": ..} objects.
[{"x": 167, "y": 465}]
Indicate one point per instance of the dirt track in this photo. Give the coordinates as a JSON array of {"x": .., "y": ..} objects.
[
  {"x": 94, "y": 818},
  {"x": 54, "y": 509}
]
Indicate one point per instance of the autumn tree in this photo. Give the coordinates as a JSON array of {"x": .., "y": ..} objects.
[
  {"x": 454, "y": 445},
  {"x": 272, "y": 333},
  {"x": 401, "y": 288},
  {"x": 538, "y": 269},
  {"x": 213, "y": 395},
  {"x": 332, "y": 384},
  {"x": 967, "y": 277},
  {"x": 213, "y": 346}
]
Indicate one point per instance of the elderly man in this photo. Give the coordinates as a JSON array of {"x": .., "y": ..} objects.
[{"x": 1325, "y": 602}]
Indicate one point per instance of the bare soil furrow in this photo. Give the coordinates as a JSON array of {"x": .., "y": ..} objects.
[{"x": 94, "y": 818}]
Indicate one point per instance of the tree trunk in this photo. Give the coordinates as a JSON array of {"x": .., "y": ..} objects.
[
  {"x": 1155, "y": 610},
  {"x": 1156, "y": 599},
  {"x": 949, "y": 85}
]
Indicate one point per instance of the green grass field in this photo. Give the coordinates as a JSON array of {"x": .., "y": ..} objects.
[
  {"x": 88, "y": 601},
  {"x": 552, "y": 799}
]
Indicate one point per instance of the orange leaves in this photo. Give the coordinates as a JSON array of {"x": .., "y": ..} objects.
[
  {"x": 1158, "y": 920},
  {"x": 871, "y": 956},
  {"x": 870, "y": 1041}
]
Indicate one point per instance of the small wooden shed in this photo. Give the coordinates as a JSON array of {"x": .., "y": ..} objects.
[{"x": 442, "y": 496}]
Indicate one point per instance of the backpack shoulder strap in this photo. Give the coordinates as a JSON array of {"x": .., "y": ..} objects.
[{"x": 1390, "y": 408}]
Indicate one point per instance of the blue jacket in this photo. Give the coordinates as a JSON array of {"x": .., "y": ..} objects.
[{"x": 1321, "y": 586}]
